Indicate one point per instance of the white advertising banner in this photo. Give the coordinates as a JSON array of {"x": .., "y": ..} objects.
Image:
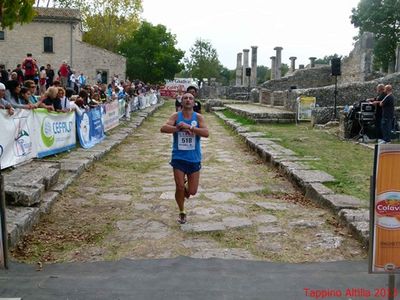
[
  {"x": 16, "y": 138},
  {"x": 54, "y": 132},
  {"x": 111, "y": 115}
]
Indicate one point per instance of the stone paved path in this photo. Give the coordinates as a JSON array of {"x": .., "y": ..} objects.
[{"x": 124, "y": 207}]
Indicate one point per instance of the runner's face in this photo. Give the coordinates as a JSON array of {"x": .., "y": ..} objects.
[{"x": 188, "y": 100}]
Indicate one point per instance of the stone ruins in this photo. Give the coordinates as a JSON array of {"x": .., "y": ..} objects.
[{"x": 357, "y": 81}]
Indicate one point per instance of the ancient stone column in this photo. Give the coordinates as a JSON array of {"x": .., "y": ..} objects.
[
  {"x": 292, "y": 63},
  {"x": 278, "y": 55},
  {"x": 312, "y": 62},
  {"x": 397, "y": 68},
  {"x": 239, "y": 69},
  {"x": 245, "y": 79},
  {"x": 273, "y": 67},
  {"x": 391, "y": 67},
  {"x": 253, "y": 77}
]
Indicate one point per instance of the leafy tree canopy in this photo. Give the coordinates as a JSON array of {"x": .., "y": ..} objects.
[
  {"x": 107, "y": 23},
  {"x": 13, "y": 11},
  {"x": 203, "y": 61},
  {"x": 151, "y": 54},
  {"x": 381, "y": 17},
  {"x": 326, "y": 60}
]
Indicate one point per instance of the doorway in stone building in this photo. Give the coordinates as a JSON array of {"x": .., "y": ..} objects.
[{"x": 103, "y": 76}]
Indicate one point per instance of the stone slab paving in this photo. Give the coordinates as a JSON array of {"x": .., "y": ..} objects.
[
  {"x": 40, "y": 183},
  {"x": 309, "y": 181},
  {"x": 243, "y": 208}
]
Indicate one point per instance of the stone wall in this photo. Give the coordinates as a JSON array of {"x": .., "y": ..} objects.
[
  {"x": 29, "y": 38},
  {"x": 67, "y": 45},
  {"x": 266, "y": 97},
  {"x": 224, "y": 92},
  {"x": 347, "y": 93},
  {"x": 90, "y": 59},
  {"x": 304, "y": 78},
  {"x": 358, "y": 66}
]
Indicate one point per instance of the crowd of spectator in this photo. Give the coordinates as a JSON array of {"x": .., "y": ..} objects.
[{"x": 29, "y": 87}]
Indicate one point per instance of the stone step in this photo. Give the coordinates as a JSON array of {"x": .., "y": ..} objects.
[{"x": 25, "y": 184}]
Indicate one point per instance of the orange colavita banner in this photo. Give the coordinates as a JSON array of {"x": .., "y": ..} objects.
[{"x": 386, "y": 247}]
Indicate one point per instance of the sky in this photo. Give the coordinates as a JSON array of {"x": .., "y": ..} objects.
[{"x": 304, "y": 28}]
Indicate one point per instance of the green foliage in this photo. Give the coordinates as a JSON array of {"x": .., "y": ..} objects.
[
  {"x": 327, "y": 59},
  {"x": 151, "y": 54},
  {"x": 352, "y": 171},
  {"x": 382, "y": 18},
  {"x": 263, "y": 74},
  {"x": 227, "y": 76},
  {"x": 13, "y": 11},
  {"x": 284, "y": 69},
  {"x": 107, "y": 23},
  {"x": 203, "y": 61}
]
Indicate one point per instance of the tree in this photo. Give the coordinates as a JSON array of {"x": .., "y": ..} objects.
[
  {"x": 13, "y": 11},
  {"x": 151, "y": 54},
  {"x": 226, "y": 76},
  {"x": 382, "y": 18},
  {"x": 327, "y": 59},
  {"x": 203, "y": 61},
  {"x": 284, "y": 69},
  {"x": 263, "y": 74},
  {"x": 107, "y": 23}
]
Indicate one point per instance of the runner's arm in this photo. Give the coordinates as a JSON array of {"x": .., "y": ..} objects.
[
  {"x": 202, "y": 130},
  {"x": 170, "y": 127}
]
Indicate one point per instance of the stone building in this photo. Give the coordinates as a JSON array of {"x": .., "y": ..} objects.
[{"x": 54, "y": 36}]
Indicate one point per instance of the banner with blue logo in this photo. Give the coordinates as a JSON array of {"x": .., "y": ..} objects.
[
  {"x": 90, "y": 128},
  {"x": 16, "y": 138},
  {"x": 54, "y": 132}
]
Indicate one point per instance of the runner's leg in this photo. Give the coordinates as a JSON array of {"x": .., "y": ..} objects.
[
  {"x": 193, "y": 182},
  {"x": 179, "y": 177}
]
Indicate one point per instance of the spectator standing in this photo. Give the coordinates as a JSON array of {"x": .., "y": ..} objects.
[
  {"x": 30, "y": 84},
  {"x": 387, "y": 105},
  {"x": 14, "y": 76},
  {"x": 3, "y": 74},
  {"x": 49, "y": 76},
  {"x": 30, "y": 67},
  {"x": 42, "y": 80},
  {"x": 50, "y": 100},
  {"x": 178, "y": 100},
  {"x": 4, "y": 104},
  {"x": 98, "y": 77},
  {"x": 81, "y": 80},
  {"x": 73, "y": 81},
  {"x": 64, "y": 73},
  {"x": 24, "y": 99},
  {"x": 12, "y": 92},
  {"x": 15, "y": 98},
  {"x": 193, "y": 89},
  {"x": 20, "y": 74}
]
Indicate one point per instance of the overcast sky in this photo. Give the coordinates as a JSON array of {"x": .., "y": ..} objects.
[{"x": 304, "y": 28}]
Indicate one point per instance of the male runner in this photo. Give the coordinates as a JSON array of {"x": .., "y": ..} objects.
[{"x": 187, "y": 127}]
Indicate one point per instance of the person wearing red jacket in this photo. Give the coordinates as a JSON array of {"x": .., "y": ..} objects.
[
  {"x": 30, "y": 67},
  {"x": 64, "y": 73}
]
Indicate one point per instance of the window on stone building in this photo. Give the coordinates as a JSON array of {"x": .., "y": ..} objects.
[
  {"x": 48, "y": 44},
  {"x": 1, "y": 35}
]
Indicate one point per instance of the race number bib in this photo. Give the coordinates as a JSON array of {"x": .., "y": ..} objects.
[{"x": 186, "y": 141}]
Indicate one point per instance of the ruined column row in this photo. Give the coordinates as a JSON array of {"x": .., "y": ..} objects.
[{"x": 242, "y": 63}]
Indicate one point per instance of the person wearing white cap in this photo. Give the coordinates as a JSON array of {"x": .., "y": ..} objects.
[{"x": 4, "y": 104}]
